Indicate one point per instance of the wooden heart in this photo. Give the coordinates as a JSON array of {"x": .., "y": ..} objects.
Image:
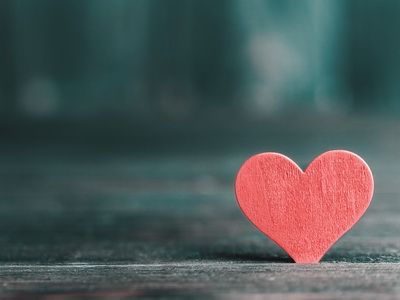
[{"x": 304, "y": 212}]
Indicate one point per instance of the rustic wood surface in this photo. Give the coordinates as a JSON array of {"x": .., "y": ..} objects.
[{"x": 86, "y": 215}]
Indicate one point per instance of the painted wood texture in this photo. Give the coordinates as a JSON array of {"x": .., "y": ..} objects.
[{"x": 304, "y": 212}]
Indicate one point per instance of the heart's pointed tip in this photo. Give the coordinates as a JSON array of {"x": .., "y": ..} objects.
[{"x": 307, "y": 262}]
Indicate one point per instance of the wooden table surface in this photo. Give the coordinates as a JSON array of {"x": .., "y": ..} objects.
[{"x": 105, "y": 216}]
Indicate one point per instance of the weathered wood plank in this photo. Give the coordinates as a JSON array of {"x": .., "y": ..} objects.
[
  {"x": 205, "y": 278},
  {"x": 96, "y": 222}
]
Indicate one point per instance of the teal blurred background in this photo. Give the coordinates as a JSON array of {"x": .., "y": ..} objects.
[{"x": 155, "y": 60}]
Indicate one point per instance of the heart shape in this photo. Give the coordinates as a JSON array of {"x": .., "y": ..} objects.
[{"x": 304, "y": 212}]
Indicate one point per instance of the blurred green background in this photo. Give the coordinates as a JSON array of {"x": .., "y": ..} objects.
[{"x": 156, "y": 60}]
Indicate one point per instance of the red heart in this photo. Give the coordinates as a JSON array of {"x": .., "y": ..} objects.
[{"x": 304, "y": 212}]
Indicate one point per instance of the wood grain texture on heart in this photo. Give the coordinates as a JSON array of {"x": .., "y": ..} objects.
[{"x": 304, "y": 212}]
